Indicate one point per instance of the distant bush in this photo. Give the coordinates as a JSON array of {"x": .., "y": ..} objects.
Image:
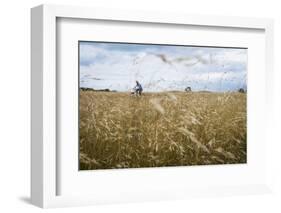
[
  {"x": 241, "y": 90},
  {"x": 99, "y": 90},
  {"x": 187, "y": 89}
]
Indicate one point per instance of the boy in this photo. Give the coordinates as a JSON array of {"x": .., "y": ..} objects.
[{"x": 138, "y": 88}]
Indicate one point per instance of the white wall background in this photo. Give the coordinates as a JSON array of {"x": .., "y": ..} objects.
[{"x": 15, "y": 104}]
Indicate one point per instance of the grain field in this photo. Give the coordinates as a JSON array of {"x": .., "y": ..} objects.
[{"x": 118, "y": 130}]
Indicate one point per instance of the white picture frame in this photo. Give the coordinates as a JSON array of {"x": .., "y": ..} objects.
[{"x": 44, "y": 155}]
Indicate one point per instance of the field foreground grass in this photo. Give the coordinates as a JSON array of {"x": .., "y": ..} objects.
[{"x": 161, "y": 129}]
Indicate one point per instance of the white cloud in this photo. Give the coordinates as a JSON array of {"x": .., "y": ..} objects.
[{"x": 162, "y": 68}]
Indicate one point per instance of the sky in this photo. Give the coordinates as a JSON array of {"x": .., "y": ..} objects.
[{"x": 116, "y": 66}]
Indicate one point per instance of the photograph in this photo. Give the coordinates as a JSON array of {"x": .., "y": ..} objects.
[{"x": 160, "y": 105}]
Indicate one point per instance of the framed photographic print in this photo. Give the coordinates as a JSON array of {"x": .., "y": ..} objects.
[
  {"x": 155, "y": 105},
  {"x": 130, "y": 106}
]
